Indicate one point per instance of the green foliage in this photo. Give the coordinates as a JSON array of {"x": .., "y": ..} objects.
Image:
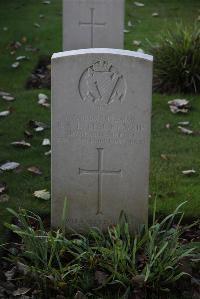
[
  {"x": 148, "y": 260},
  {"x": 177, "y": 60}
]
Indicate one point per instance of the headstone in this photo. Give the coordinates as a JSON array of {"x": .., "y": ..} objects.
[
  {"x": 101, "y": 111},
  {"x": 93, "y": 24}
]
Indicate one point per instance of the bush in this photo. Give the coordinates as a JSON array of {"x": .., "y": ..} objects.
[
  {"x": 177, "y": 61},
  {"x": 147, "y": 263}
]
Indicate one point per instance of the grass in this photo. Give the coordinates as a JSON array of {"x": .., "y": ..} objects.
[
  {"x": 116, "y": 261},
  {"x": 166, "y": 181}
]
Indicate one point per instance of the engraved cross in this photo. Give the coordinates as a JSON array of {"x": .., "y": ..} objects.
[
  {"x": 92, "y": 25},
  {"x": 100, "y": 172}
]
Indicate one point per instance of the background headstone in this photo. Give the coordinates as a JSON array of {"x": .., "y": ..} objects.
[
  {"x": 101, "y": 111},
  {"x": 93, "y": 24}
]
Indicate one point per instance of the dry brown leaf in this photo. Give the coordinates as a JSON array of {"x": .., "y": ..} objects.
[
  {"x": 80, "y": 295},
  {"x": 35, "y": 124},
  {"x": 35, "y": 170},
  {"x": 43, "y": 194},
  {"x": 21, "y": 291},
  {"x": 185, "y": 131},
  {"x": 15, "y": 65},
  {"x": 155, "y": 14},
  {"x": 137, "y": 42},
  {"x": 189, "y": 172},
  {"x": 139, "y": 4},
  {"x": 21, "y": 144},
  {"x": 37, "y": 25},
  {"x": 8, "y": 98},
  {"x": 28, "y": 134},
  {"x": 3, "y": 187},
  {"x": 4, "y": 198},
  {"x": 10, "y": 273},
  {"x": 9, "y": 166},
  {"x": 46, "y": 142},
  {"x": 183, "y": 123},
  {"x": 4, "y": 113},
  {"x": 3, "y": 93},
  {"x": 164, "y": 157},
  {"x": 179, "y": 106},
  {"x": 101, "y": 277}
]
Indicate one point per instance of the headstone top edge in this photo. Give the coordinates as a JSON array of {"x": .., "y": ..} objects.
[{"x": 103, "y": 51}]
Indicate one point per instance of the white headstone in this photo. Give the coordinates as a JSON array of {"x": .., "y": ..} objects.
[
  {"x": 101, "y": 111},
  {"x": 93, "y": 24}
]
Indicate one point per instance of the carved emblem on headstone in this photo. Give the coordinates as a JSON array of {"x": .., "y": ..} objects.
[{"x": 101, "y": 83}]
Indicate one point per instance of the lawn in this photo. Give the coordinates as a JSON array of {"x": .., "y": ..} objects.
[{"x": 19, "y": 21}]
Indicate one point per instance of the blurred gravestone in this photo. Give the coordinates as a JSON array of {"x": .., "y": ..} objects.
[{"x": 93, "y": 24}]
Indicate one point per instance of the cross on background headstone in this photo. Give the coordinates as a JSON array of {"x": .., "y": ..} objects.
[
  {"x": 92, "y": 24},
  {"x": 100, "y": 172}
]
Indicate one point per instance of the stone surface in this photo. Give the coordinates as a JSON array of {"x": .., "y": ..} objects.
[
  {"x": 93, "y": 24},
  {"x": 101, "y": 110}
]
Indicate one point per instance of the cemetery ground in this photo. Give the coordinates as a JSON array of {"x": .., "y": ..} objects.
[{"x": 34, "y": 30}]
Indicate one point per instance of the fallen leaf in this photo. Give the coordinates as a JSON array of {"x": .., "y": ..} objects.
[
  {"x": 4, "y": 198},
  {"x": 137, "y": 42},
  {"x": 46, "y": 2},
  {"x": 47, "y": 153},
  {"x": 3, "y": 187},
  {"x": 43, "y": 100},
  {"x": 10, "y": 273},
  {"x": 46, "y": 142},
  {"x": 183, "y": 123},
  {"x": 43, "y": 194},
  {"x": 130, "y": 24},
  {"x": 15, "y": 45},
  {"x": 155, "y": 14},
  {"x": 23, "y": 269},
  {"x": 3, "y": 93},
  {"x": 188, "y": 172},
  {"x": 101, "y": 277},
  {"x": 164, "y": 157},
  {"x": 139, "y": 4},
  {"x": 35, "y": 124},
  {"x": 9, "y": 166},
  {"x": 179, "y": 105},
  {"x": 8, "y": 98},
  {"x": 21, "y": 291},
  {"x": 126, "y": 31},
  {"x": 42, "y": 96},
  {"x": 35, "y": 170},
  {"x": 37, "y": 25},
  {"x": 80, "y": 295},
  {"x": 167, "y": 126},
  {"x": 28, "y": 134},
  {"x": 140, "y": 50},
  {"x": 21, "y": 144},
  {"x": 15, "y": 65},
  {"x": 4, "y": 113},
  {"x": 41, "y": 16},
  {"x": 29, "y": 48},
  {"x": 185, "y": 131},
  {"x": 39, "y": 129},
  {"x": 21, "y": 58},
  {"x": 24, "y": 39}
]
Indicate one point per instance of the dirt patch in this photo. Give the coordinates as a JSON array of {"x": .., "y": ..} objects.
[{"x": 41, "y": 75}]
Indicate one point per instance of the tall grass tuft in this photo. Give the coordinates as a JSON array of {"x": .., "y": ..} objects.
[
  {"x": 177, "y": 61},
  {"x": 148, "y": 261}
]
